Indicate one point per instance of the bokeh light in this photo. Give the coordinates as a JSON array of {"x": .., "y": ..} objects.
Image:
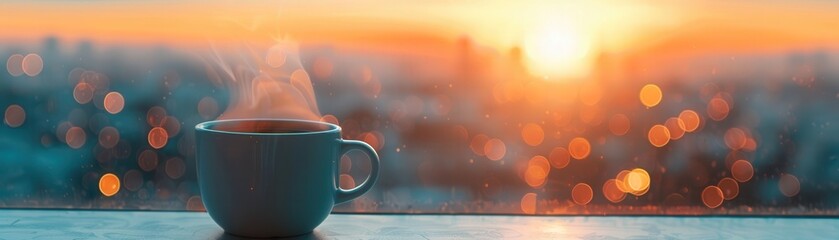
[
  {"x": 61, "y": 131},
  {"x": 751, "y": 144},
  {"x": 621, "y": 181},
  {"x": 158, "y": 137},
  {"x": 532, "y": 134},
  {"x": 97, "y": 80},
  {"x": 676, "y": 128},
  {"x": 147, "y": 160},
  {"x": 114, "y": 102},
  {"x": 718, "y": 109},
  {"x": 735, "y": 138},
  {"x": 495, "y": 149},
  {"x": 579, "y": 148},
  {"x": 133, "y": 180},
  {"x": 742, "y": 171},
  {"x": 75, "y": 137},
  {"x": 690, "y": 119},
  {"x": 375, "y": 139},
  {"x": 582, "y": 193},
  {"x": 789, "y": 185},
  {"x": 155, "y": 116},
  {"x": 83, "y": 92},
  {"x": 650, "y": 95},
  {"x": 559, "y": 157},
  {"x": 612, "y": 192},
  {"x": 32, "y": 64},
  {"x": 13, "y": 65},
  {"x": 619, "y": 124},
  {"x": 712, "y": 196},
  {"x": 528, "y": 203},
  {"x": 478, "y": 143},
  {"x": 346, "y": 181},
  {"x": 109, "y": 184},
  {"x": 175, "y": 167},
  {"x": 329, "y": 119},
  {"x": 346, "y": 164},
  {"x": 108, "y": 137},
  {"x": 194, "y": 203},
  {"x": 659, "y": 135},
  {"x": 537, "y": 171},
  {"x": 729, "y": 187},
  {"x": 14, "y": 116},
  {"x": 638, "y": 181},
  {"x": 172, "y": 126}
]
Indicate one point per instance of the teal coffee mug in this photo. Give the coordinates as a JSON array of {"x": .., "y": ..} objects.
[{"x": 273, "y": 177}]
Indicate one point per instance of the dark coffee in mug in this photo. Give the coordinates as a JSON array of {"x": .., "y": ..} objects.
[{"x": 273, "y": 177}]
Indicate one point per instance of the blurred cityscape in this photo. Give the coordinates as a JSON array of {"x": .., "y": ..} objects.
[{"x": 461, "y": 131}]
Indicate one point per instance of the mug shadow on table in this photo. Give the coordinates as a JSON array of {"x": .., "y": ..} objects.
[{"x": 315, "y": 235}]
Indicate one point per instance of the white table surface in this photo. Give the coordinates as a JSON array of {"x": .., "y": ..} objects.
[{"x": 83, "y": 224}]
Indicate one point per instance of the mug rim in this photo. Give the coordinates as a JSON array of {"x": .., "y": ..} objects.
[{"x": 207, "y": 127}]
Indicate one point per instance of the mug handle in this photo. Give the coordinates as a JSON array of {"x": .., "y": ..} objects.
[{"x": 350, "y": 194}]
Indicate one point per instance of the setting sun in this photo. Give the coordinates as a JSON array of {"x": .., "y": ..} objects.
[{"x": 557, "y": 51}]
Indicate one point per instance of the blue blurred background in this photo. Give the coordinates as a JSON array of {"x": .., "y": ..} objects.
[{"x": 463, "y": 122}]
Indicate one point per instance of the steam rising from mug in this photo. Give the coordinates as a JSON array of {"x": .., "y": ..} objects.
[{"x": 266, "y": 80}]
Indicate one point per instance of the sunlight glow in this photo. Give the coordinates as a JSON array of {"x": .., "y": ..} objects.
[{"x": 558, "y": 51}]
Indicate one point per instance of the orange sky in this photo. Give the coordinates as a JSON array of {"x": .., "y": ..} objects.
[
  {"x": 610, "y": 26},
  {"x": 186, "y": 23}
]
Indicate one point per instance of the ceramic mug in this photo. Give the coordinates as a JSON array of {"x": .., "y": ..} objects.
[{"x": 273, "y": 177}]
